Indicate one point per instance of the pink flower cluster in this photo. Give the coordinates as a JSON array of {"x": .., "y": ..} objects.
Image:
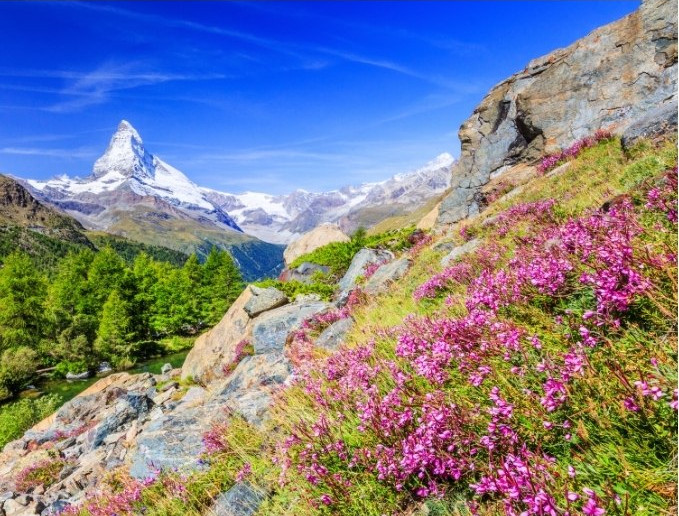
[
  {"x": 664, "y": 198},
  {"x": 551, "y": 161},
  {"x": 242, "y": 350},
  {"x": 127, "y": 500},
  {"x": 534, "y": 212},
  {"x": 419, "y": 438}
]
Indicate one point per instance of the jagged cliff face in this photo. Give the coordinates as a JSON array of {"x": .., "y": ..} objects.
[{"x": 617, "y": 76}]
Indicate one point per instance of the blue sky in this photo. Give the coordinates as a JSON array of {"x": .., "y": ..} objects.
[{"x": 264, "y": 96}]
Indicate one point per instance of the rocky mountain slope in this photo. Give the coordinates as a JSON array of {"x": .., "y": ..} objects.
[
  {"x": 621, "y": 77},
  {"x": 19, "y": 208},
  {"x": 137, "y": 195},
  {"x": 282, "y": 218},
  {"x": 29, "y": 226}
]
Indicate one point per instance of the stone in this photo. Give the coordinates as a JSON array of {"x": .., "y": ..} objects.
[
  {"x": 54, "y": 508},
  {"x": 658, "y": 122},
  {"x": 385, "y": 275},
  {"x": 131, "y": 407},
  {"x": 217, "y": 346},
  {"x": 333, "y": 335},
  {"x": 306, "y": 271},
  {"x": 359, "y": 263},
  {"x": 132, "y": 432},
  {"x": 114, "y": 438},
  {"x": 165, "y": 370},
  {"x": 323, "y": 234},
  {"x": 195, "y": 394},
  {"x": 621, "y": 77},
  {"x": 243, "y": 499},
  {"x": 460, "y": 251},
  {"x": 271, "y": 329},
  {"x": 13, "y": 507},
  {"x": 263, "y": 300},
  {"x": 23, "y": 499},
  {"x": 78, "y": 376},
  {"x": 164, "y": 396},
  {"x": 168, "y": 386}
]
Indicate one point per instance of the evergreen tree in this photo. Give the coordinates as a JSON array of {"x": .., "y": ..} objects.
[
  {"x": 106, "y": 273},
  {"x": 114, "y": 335},
  {"x": 222, "y": 284},
  {"x": 174, "y": 298},
  {"x": 22, "y": 294},
  {"x": 70, "y": 296},
  {"x": 145, "y": 275}
]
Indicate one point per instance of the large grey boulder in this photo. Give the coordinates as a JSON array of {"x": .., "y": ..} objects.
[
  {"x": 248, "y": 391},
  {"x": 612, "y": 78},
  {"x": 460, "y": 251},
  {"x": 173, "y": 440},
  {"x": 264, "y": 299},
  {"x": 359, "y": 264},
  {"x": 334, "y": 335},
  {"x": 243, "y": 499},
  {"x": 271, "y": 329},
  {"x": 386, "y": 275},
  {"x": 217, "y": 347},
  {"x": 134, "y": 405}
]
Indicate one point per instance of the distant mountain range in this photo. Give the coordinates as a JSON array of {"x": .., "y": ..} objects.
[
  {"x": 133, "y": 193},
  {"x": 281, "y": 218}
]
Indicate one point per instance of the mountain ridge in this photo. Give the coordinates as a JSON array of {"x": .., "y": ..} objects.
[{"x": 126, "y": 173}]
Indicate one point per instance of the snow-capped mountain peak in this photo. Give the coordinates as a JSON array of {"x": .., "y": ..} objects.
[{"x": 125, "y": 155}]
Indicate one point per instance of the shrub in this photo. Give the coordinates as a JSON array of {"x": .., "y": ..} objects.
[
  {"x": 18, "y": 416},
  {"x": 338, "y": 255},
  {"x": 495, "y": 400},
  {"x": 65, "y": 367},
  {"x": 17, "y": 367},
  {"x": 295, "y": 288}
]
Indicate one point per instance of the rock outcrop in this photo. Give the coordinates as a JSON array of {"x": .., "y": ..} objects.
[
  {"x": 621, "y": 77},
  {"x": 272, "y": 328},
  {"x": 318, "y": 237},
  {"x": 218, "y": 345},
  {"x": 264, "y": 299}
]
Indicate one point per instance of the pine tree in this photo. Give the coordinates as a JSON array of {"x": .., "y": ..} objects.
[
  {"x": 145, "y": 275},
  {"x": 105, "y": 275},
  {"x": 115, "y": 333},
  {"x": 70, "y": 295},
  {"x": 222, "y": 284},
  {"x": 174, "y": 297},
  {"x": 22, "y": 294}
]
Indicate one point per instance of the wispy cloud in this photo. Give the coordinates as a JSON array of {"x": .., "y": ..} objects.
[
  {"x": 308, "y": 54},
  {"x": 96, "y": 86},
  {"x": 80, "y": 153},
  {"x": 263, "y": 42}
]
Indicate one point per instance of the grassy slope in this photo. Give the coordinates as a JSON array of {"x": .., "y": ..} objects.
[
  {"x": 612, "y": 451},
  {"x": 407, "y": 219},
  {"x": 256, "y": 259}
]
